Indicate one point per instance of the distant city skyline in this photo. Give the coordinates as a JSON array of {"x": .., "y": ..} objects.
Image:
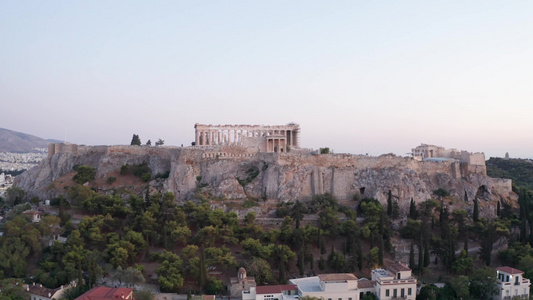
[{"x": 358, "y": 77}]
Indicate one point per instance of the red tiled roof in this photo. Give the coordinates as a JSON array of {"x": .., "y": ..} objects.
[
  {"x": 509, "y": 270},
  {"x": 106, "y": 293},
  {"x": 337, "y": 277},
  {"x": 364, "y": 284},
  {"x": 31, "y": 212},
  {"x": 271, "y": 289},
  {"x": 42, "y": 291},
  {"x": 398, "y": 267}
]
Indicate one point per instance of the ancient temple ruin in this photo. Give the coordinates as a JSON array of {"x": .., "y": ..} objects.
[
  {"x": 426, "y": 152},
  {"x": 269, "y": 138}
]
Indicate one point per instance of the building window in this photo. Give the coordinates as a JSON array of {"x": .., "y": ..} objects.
[
  {"x": 350, "y": 298},
  {"x": 403, "y": 293},
  {"x": 395, "y": 293},
  {"x": 387, "y": 293},
  {"x": 409, "y": 291}
]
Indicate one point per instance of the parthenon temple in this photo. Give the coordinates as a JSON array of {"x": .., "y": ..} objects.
[{"x": 269, "y": 138}]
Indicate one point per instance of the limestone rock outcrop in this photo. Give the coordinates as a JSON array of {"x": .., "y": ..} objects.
[{"x": 232, "y": 173}]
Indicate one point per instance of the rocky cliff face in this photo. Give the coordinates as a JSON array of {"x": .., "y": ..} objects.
[{"x": 233, "y": 173}]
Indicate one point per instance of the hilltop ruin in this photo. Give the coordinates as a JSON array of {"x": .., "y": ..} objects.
[{"x": 248, "y": 166}]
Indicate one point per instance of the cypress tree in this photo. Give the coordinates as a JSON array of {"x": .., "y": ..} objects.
[
  {"x": 475, "y": 214},
  {"x": 281, "y": 264},
  {"x": 202, "y": 280},
  {"x": 498, "y": 209},
  {"x": 523, "y": 231},
  {"x": 380, "y": 256},
  {"x": 426, "y": 255},
  {"x": 420, "y": 257},
  {"x": 466, "y": 241},
  {"x": 389, "y": 204},
  {"x": 530, "y": 233},
  {"x": 413, "y": 212},
  {"x": 359, "y": 256},
  {"x": 135, "y": 140},
  {"x": 301, "y": 262},
  {"x": 412, "y": 257}
]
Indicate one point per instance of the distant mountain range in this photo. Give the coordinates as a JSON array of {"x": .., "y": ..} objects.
[{"x": 13, "y": 141}]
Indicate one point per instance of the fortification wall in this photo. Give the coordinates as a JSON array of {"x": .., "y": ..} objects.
[
  {"x": 54, "y": 148},
  {"x": 291, "y": 176}
]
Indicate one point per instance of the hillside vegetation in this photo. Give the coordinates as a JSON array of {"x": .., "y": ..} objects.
[
  {"x": 519, "y": 170},
  {"x": 125, "y": 237}
]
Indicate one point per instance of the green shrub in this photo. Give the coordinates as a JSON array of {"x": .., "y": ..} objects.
[
  {"x": 146, "y": 177},
  {"x": 125, "y": 169},
  {"x": 85, "y": 174},
  {"x": 140, "y": 170},
  {"x": 249, "y": 204},
  {"x": 164, "y": 175},
  {"x": 111, "y": 179}
]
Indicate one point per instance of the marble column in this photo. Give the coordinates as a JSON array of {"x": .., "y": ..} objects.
[{"x": 196, "y": 137}]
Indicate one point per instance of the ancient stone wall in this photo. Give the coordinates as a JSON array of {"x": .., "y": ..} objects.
[
  {"x": 225, "y": 172},
  {"x": 54, "y": 148}
]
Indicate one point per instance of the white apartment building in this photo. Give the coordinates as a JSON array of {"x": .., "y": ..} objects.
[
  {"x": 341, "y": 286},
  {"x": 271, "y": 292},
  {"x": 511, "y": 284},
  {"x": 396, "y": 282}
]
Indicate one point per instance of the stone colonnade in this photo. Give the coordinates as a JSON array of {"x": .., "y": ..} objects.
[{"x": 277, "y": 136}]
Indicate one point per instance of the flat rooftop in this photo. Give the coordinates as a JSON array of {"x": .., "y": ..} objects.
[{"x": 309, "y": 284}]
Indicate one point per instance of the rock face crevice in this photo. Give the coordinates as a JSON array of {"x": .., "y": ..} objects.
[{"x": 283, "y": 177}]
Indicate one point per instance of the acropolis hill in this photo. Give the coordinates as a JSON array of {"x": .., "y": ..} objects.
[{"x": 240, "y": 162}]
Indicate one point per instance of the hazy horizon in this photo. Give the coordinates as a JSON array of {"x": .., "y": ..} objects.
[{"x": 359, "y": 77}]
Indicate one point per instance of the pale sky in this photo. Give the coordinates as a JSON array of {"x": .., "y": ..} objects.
[{"x": 358, "y": 76}]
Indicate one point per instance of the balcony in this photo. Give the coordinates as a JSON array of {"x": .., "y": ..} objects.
[{"x": 525, "y": 296}]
